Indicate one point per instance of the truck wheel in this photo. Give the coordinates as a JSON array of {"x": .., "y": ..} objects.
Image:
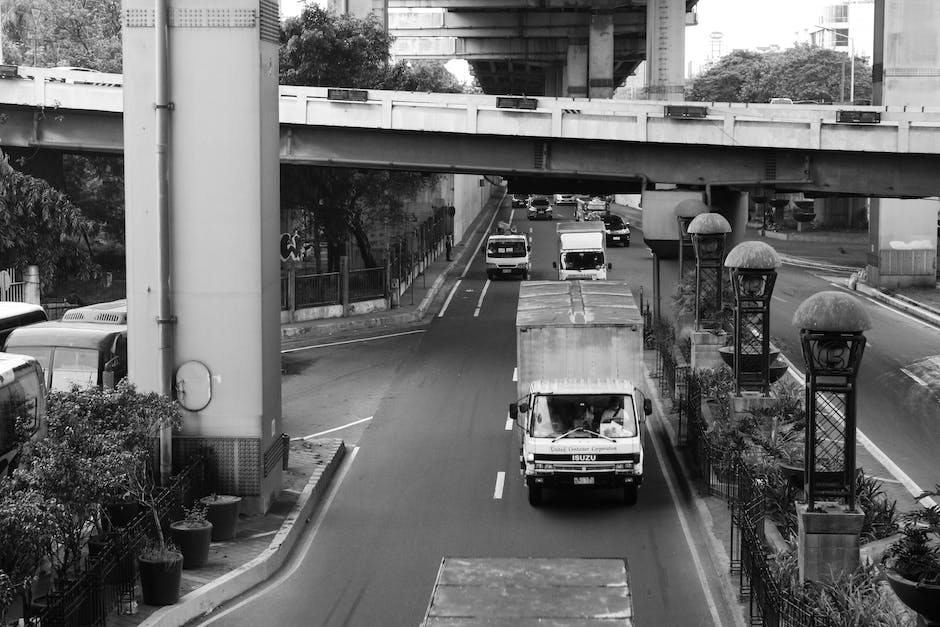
[
  {"x": 525, "y": 275},
  {"x": 630, "y": 495},
  {"x": 535, "y": 496},
  {"x": 626, "y": 245}
]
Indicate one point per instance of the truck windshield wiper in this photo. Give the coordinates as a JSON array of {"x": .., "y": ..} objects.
[{"x": 583, "y": 430}]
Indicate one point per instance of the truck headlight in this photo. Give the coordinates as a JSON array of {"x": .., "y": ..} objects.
[{"x": 530, "y": 457}]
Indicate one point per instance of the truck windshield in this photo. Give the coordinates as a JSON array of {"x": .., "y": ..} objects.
[
  {"x": 74, "y": 366},
  {"x": 583, "y": 260},
  {"x": 611, "y": 416},
  {"x": 506, "y": 249},
  {"x": 20, "y": 402}
]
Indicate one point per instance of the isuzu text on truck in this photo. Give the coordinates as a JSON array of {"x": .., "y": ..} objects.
[
  {"x": 581, "y": 251},
  {"x": 579, "y": 351}
]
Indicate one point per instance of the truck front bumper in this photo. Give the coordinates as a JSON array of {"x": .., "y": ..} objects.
[{"x": 603, "y": 480}]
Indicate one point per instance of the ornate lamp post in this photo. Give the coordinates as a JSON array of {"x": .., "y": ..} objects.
[
  {"x": 753, "y": 268},
  {"x": 708, "y": 232},
  {"x": 831, "y": 325},
  {"x": 685, "y": 211}
]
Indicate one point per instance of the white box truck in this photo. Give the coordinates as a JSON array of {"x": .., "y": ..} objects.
[
  {"x": 580, "y": 407},
  {"x": 507, "y": 255},
  {"x": 581, "y": 251}
]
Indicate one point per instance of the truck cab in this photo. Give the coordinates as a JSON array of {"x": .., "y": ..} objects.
[
  {"x": 582, "y": 251},
  {"x": 507, "y": 254},
  {"x": 22, "y": 406},
  {"x": 579, "y": 433}
]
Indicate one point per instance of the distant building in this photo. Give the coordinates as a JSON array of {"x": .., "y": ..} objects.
[{"x": 844, "y": 25}]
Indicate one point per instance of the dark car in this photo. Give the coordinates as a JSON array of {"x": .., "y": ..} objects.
[
  {"x": 540, "y": 208},
  {"x": 617, "y": 231},
  {"x": 519, "y": 201}
]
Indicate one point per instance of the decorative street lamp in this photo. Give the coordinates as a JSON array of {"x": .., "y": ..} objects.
[
  {"x": 685, "y": 211},
  {"x": 831, "y": 325},
  {"x": 753, "y": 273},
  {"x": 708, "y": 232}
]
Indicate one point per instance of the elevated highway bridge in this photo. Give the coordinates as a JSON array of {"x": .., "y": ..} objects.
[{"x": 887, "y": 151}]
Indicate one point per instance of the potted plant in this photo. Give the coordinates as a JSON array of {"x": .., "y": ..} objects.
[
  {"x": 912, "y": 563},
  {"x": 192, "y": 535},
  {"x": 222, "y": 512}
]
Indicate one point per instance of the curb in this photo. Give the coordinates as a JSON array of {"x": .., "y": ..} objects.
[
  {"x": 203, "y": 600},
  {"x": 925, "y": 315}
]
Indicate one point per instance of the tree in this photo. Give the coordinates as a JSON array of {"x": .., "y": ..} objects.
[
  {"x": 321, "y": 49},
  {"x": 38, "y": 225},
  {"x": 804, "y": 72},
  {"x": 48, "y": 33}
]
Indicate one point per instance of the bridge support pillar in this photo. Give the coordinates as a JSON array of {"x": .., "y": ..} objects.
[
  {"x": 903, "y": 233},
  {"x": 665, "y": 49},
  {"x": 576, "y": 70},
  {"x": 601, "y": 59},
  {"x": 223, "y": 197}
]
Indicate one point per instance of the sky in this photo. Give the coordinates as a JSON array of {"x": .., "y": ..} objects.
[{"x": 743, "y": 24}]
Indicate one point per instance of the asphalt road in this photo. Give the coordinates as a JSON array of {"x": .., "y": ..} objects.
[{"x": 435, "y": 473}]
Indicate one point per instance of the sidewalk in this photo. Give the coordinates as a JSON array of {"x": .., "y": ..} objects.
[{"x": 264, "y": 542}]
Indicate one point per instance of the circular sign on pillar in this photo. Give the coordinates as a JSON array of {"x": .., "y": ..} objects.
[
  {"x": 193, "y": 385},
  {"x": 451, "y": 211}
]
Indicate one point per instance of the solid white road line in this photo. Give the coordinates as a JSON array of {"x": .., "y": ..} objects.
[
  {"x": 515, "y": 374},
  {"x": 884, "y": 306},
  {"x": 347, "y": 425},
  {"x": 882, "y": 458},
  {"x": 486, "y": 286},
  {"x": 684, "y": 523},
  {"x": 449, "y": 296},
  {"x": 500, "y": 480},
  {"x": 778, "y": 298},
  {"x": 362, "y": 339},
  {"x": 512, "y": 212},
  {"x": 509, "y": 423},
  {"x": 296, "y": 557},
  {"x": 916, "y": 379}
]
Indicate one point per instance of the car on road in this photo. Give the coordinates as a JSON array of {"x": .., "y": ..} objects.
[
  {"x": 540, "y": 208},
  {"x": 565, "y": 199},
  {"x": 519, "y": 201},
  {"x": 616, "y": 230}
]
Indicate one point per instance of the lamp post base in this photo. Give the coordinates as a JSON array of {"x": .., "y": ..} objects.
[{"x": 828, "y": 540}]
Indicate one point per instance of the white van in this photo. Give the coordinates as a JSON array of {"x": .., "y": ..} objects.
[
  {"x": 22, "y": 406},
  {"x": 508, "y": 255}
]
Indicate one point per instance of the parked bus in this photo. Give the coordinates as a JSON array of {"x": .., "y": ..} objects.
[
  {"x": 13, "y": 315},
  {"x": 87, "y": 347},
  {"x": 22, "y": 406}
]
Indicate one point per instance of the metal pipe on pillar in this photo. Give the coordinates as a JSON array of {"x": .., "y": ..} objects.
[{"x": 165, "y": 317}]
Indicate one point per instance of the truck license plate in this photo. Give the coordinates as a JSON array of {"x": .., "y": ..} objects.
[
  {"x": 506, "y": 271},
  {"x": 584, "y": 480}
]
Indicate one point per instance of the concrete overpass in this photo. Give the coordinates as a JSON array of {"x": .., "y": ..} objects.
[
  {"x": 560, "y": 143},
  {"x": 574, "y": 48}
]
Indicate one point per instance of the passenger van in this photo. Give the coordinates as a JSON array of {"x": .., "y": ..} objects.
[
  {"x": 22, "y": 406},
  {"x": 87, "y": 347},
  {"x": 13, "y": 315}
]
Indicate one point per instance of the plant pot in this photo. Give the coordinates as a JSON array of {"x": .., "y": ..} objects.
[
  {"x": 922, "y": 598},
  {"x": 160, "y": 578},
  {"x": 121, "y": 513},
  {"x": 804, "y": 217},
  {"x": 794, "y": 473},
  {"x": 750, "y": 362},
  {"x": 124, "y": 569},
  {"x": 222, "y": 512},
  {"x": 192, "y": 541}
]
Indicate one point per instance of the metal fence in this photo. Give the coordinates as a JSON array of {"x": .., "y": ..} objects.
[
  {"x": 108, "y": 580},
  {"x": 724, "y": 474}
]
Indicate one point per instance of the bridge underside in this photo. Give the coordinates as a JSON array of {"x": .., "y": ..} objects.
[
  {"x": 535, "y": 164},
  {"x": 529, "y": 78}
]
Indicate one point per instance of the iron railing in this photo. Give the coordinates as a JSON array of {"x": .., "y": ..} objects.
[{"x": 108, "y": 581}]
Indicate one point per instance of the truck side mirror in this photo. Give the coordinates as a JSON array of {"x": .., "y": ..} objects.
[
  {"x": 647, "y": 406},
  {"x": 513, "y": 411},
  {"x": 610, "y": 266},
  {"x": 554, "y": 264}
]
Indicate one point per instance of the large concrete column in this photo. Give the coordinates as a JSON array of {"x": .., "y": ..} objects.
[
  {"x": 576, "y": 70},
  {"x": 665, "y": 49},
  {"x": 223, "y": 195},
  {"x": 601, "y": 56},
  {"x": 905, "y": 71}
]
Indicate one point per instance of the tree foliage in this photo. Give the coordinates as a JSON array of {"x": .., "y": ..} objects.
[
  {"x": 322, "y": 49},
  {"x": 49, "y": 33},
  {"x": 804, "y": 72},
  {"x": 39, "y": 225}
]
